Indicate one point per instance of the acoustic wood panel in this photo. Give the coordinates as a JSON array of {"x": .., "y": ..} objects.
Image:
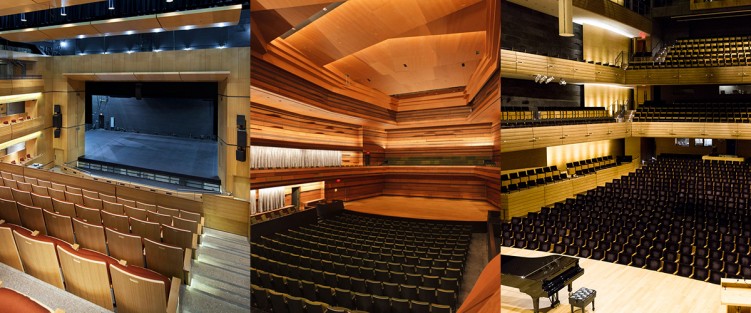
[
  {"x": 274, "y": 127},
  {"x": 227, "y": 214},
  {"x": 468, "y": 136},
  {"x": 374, "y": 143}
]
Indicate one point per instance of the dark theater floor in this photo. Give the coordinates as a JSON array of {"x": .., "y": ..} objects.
[{"x": 161, "y": 153}]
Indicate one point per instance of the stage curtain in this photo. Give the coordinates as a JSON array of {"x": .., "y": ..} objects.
[{"x": 273, "y": 157}]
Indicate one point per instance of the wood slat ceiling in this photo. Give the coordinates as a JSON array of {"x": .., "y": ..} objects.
[
  {"x": 370, "y": 40},
  {"x": 203, "y": 18},
  {"x": 10, "y": 7}
]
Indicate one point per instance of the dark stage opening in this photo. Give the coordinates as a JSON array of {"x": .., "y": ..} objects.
[{"x": 161, "y": 134}]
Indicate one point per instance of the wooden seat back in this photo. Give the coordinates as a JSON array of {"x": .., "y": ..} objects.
[
  {"x": 22, "y": 196},
  {"x": 10, "y": 183},
  {"x": 73, "y": 197},
  {"x": 86, "y": 274},
  {"x": 59, "y": 226},
  {"x": 126, "y": 202},
  {"x": 9, "y": 211},
  {"x": 89, "y": 215},
  {"x": 145, "y": 229},
  {"x": 124, "y": 246},
  {"x": 146, "y": 206},
  {"x": 158, "y": 218},
  {"x": 166, "y": 259},
  {"x": 56, "y": 194},
  {"x": 43, "y": 202},
  {"x": 64, "y": 207},
  {"x": 90, "y": 236},
  {"x": 140, "y": 290},
  {"x": 39, "y": 257},
  {"x": 24, "y": 186},
  {"x": 113, "y": 207},
  {"x": 135, "y": 212},
  {"x": 115, "y": 221},
  {"x": 9, "y": 251},
  {"x": 40, "y": 190},
  {"x": 32, "y": 218},
  {"x": 93, "y": 203}
]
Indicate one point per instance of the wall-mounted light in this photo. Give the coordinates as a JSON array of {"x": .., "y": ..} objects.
[
  {"x": 63, "y": 44},
  {"x": 111, "y": 4},
  {"x": 62, "y": 12},
  {"x": 169, "y": 1},
  {"x": 23, "y": 17}
]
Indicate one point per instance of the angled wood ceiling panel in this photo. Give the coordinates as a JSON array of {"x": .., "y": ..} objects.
[{"x": 10, "y": 7}]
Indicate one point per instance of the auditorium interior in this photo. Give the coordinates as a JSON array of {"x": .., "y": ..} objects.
[
  {"x": 374, "y": 156},
  {"x": 123, "y": 156},
  {"x": 624, "y": 148}
]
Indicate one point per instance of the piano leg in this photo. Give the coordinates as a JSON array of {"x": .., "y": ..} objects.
[
  {"x": 554, "y": 301},
  {"x": 536, "y": 304}
]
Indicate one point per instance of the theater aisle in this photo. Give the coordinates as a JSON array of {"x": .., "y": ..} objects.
[{"x": 221, "y": 279}]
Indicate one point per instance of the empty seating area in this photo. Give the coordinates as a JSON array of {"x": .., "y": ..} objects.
[
  {"x": 355, "y": 262},
  {"x": 678, "y": 216},
  {"x": 516, "y": 117},
  {"x": 270, "y": 215},
  {"x": 131, "y": 238},
  {"x": 703, "y": 52},
  {"x": 550, "y": 174},
  {"x": 694, "y": 111}
]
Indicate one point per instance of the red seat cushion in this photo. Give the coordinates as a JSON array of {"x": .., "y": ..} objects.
[{"x": 12, "y": 301}]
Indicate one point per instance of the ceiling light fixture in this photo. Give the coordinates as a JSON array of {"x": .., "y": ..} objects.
[
  {"x": 62, "y": 12},
  {"x": 111, "y": 5}
]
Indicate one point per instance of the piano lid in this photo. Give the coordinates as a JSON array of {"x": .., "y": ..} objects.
[{"x": 525, "y": 267}]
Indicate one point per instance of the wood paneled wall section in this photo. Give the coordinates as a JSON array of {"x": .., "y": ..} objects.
[
  {"x": 690, "y": 76},
  {"x": 446, "y": 99},
  {"x": 612, "y": 10},
  {"x": 525, "y": 65},
  {"x": 273, "y": 78},
  {"x": 279, "y": 128},
  {"x": 10, "y": 87},
  {"x": 353, "y": 188},
  {"x": 463, "y": 182},
  {"x": 608, "y": 97},
  {"x": 233, "y": 94},
  {"x": 374, "y": 141},
  {"x": 490, "y": 60},
  {"x": 447, "y": 140},
  {"x": 227, "y": 214},
  {"x": 560, "y": 155},
  {"x": 602, "y": 45}
]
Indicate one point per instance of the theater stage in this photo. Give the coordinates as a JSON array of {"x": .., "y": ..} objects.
[
  {"x": 623, "y": 288},
  {"x": 184, "y": 156},
  {"x": 423, "y": 208}
]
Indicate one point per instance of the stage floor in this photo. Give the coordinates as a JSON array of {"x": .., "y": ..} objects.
[
  {"x": 622, "y": 288},
  {"x": 423, "y": 208},
  {"x": 162, "y": 153}
]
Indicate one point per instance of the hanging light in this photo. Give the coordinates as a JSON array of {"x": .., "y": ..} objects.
[
  {"x": 111, "y": 4},
  {"x": 23, "y": 17},
  {"x": 169, "y": 1},
  {"x": 62, "y": 12},
  {"x": 565, "y": 18}
]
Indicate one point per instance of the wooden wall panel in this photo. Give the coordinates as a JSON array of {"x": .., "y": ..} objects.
[
  {"x": 227, "y": 214},
  {"x": 374, "y": 142},
  {"x": 278, "y": 128},
  {"x": 466, "y": 137}
]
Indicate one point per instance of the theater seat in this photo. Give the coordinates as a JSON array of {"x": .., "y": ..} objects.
[
  {"x": 132, "y": 284},
  {"x": 86, "y": 274}
]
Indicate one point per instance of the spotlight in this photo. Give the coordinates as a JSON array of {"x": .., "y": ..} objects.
[
  {"x": 544, "y": 77},
  {"x": 562, "y": 82},
  {"x": 537, "y": 78},
  {"x": 550, "y": 79},
  {"x": 63, "y": 44}
]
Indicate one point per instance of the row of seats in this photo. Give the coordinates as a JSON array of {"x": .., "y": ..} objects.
[
  {"x": 701, "y": 52},
  {"x": 272, "y": 301},
  {"x": 650, "y": 219},
  {"x": 362, "y": 262},
  {"x": 518, "y": 117},
  {"x": 540, "y": 176},
  {"x": 273, "y": 214},
  {"x": 91, "y": 275}
]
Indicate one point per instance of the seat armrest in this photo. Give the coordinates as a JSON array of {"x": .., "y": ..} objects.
[
  {"x": 173, "y": 302},
  {"x": 187, "y": 265}
]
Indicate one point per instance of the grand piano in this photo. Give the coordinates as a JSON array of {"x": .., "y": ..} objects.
[{"x": 540, "y": 277}]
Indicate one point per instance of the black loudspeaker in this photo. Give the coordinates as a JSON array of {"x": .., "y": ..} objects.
[
  {"x": 240, "y": 154},
  {"x": 57, "y": 117},
  {"x": 56, "y": 132},
  {"x": 242, "y": 138},
  {"x": 138, "y": 92},
  {"x": 623, "y": 159},
  {"x": 57, "y": 121},
  {"x": 101, "y": 121},
  {"x": 240, "y": 121}
]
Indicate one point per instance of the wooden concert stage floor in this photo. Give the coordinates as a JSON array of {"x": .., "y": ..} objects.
[
  {"x": 622, "y": 288},
  {"x": 423, "y": 208}
]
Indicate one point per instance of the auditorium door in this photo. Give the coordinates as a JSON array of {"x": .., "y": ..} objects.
[{"x": 296, "y": 197}]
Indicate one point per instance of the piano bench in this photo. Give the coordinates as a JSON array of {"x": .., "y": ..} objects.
[{"x": 581, "y": 298}]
